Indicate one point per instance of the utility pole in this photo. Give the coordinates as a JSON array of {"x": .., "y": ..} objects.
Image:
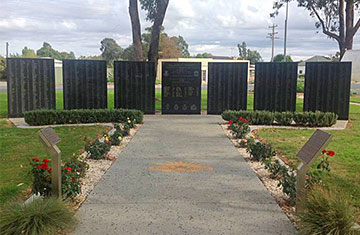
[
  {"x": 7, "y": 50},
  {"x": 286, "y": 24},
  {"x": 272, "y": 36}
]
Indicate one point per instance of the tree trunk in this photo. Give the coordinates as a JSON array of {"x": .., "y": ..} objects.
[
  {"x": 153, "y": 54},
  {"x": 136, "y": 29},
  {"x": 349, "y": 25}
]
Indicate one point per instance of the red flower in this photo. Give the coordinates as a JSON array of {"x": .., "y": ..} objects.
[
  {"x": 49, "y": 170},
  {"x": 46, "y": 160},
  {"x": 35, "y": 159},
  {"x": 245, "y": 121},
  {"x": 38, "y": 166},
  {"x": 72, "y": 179},
  {"x": 68, "y": 169},
  {"x": 324, "y": 151},
  {"x": 240, "y": 118},
  {"x": 44, "y": 166},
  {"x": 331, "y": 153},
  {"x": 230, "y": 122}
]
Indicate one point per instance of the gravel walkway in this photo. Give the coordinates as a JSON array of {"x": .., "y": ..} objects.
[{"x": 181, "y": 175}]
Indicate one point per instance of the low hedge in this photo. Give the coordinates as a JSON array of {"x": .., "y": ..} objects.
[
  {"x": 312, "y": 119},
  {"x": 51, "y": 117}
]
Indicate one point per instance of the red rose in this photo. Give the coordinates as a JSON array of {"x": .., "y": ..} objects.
[
  {"x": 230, "y": 122},
  {"x": 38, "y": 166},
  {"x": 46, "y": 160},
  {"x": 331, "y": 153},
  {"x": 245, "y": 121},
  {"x": 68, "y": 169},
  {"x": 240, "y": 118},
  {"x": 35, "y": 159},
  {"x": 49, "y": 170},
  {"x": 72, "y": 179},
  {"x": 44, "y": 166},
  {"x": 324, "y": 151}
]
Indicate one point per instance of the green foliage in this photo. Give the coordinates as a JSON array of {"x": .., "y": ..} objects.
[
  {"x": 312, "y": 119},
  {"x": 204, "y": 55},
  {"x": 49, "y": 117},
  {"x": 326, "y": 212},
  {"x": 2, "y": 68},
  {"x": 284, "y": 118},
  {"x": 70, "y": 177},
  {"x": 111, "y": 51},
  {"x": 239, "y": 128},
  {"x": 98, "y": 149},
  {"x": 260, "y": 152},
  {"x": 47, "y": 51},
  {"x": 247, "y": 54},
  {"x": 40, "y": 217},
  {"x": 288, "y": 184},
  {"x": 77, "y": 164},
  {"x": 151, "y": 8},
  {"x": 280, "y": 58},
  {"x": 300, "y": 88}
]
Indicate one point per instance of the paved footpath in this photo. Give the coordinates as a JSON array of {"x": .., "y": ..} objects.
[{"x": 230, "y": 199}]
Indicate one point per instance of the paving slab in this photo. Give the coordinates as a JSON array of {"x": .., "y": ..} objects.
[{"x": 229, "y": 199}]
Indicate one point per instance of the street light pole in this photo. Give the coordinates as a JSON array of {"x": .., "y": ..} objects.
[
  {"x": 7, "y": 49},
  {"x": 286, "y": 24}
]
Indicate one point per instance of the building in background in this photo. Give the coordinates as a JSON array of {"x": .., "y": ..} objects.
[
  {"x": 354, "y": 57},
  {"x": 204, "y": 65},
  {"x": 317, "y": 58}
]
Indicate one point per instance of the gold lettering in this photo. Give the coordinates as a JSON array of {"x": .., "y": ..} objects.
[
  {"x": 179, "y": 92},
  {"x": 167, "y": 91}
]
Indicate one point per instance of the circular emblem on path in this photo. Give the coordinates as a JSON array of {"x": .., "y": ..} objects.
[{"x": 180, "y": 166}]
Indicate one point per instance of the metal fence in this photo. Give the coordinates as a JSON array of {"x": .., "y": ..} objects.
[
  {"x": 85, "y": 84},
  {"x": 31, "y": 85},
  {"x": 275, "y": 86},
  {"x": 327, "y": 87},
  {"x": 135, "y": 85},
  {"x": 227, "y": 87}
]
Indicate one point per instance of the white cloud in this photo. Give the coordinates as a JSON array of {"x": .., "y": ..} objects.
[{"x": 207, "y": 25}]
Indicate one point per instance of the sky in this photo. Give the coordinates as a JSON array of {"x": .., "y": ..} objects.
[{"x": 214, "y": 26}]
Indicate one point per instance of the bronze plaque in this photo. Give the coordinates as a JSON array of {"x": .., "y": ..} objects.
[
  {"x": 48, "y": 135},
  {"x": 314, "y": 146}
]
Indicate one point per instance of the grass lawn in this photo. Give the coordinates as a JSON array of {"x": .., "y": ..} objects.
[
  {"x": 345, "y": 164},
  {"x": 355, "y": 99},
  {"x": 17, "y": 146},
  {"x": 59, "y": 101}
]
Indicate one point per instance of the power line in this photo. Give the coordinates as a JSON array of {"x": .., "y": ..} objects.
[{"x": 272, "y": 36}]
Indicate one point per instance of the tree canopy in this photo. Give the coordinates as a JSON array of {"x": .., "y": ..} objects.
[
  {"x": 2, "y": 68},
  {"x": 247, "y": 54},
  {"x": 280, "y": 58},
  {"x": 47, "y": 51},
  {"x": 110, "y": 50},
  {"x": 204, "y": 55},
  {"x": 334, "y": 17}
]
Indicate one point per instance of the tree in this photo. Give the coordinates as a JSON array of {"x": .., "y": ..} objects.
[
  {"x": 156, "y": 10},
  {"x": 136, "y": 30},
  {"x": 130, "y": 54},
  {"x": 91, "y": 57},
  {"x": 335, "y": 18},
  {"x": 170, "y": 48},
  {"x": 247, "y": 54},
  {"x": 184, "y": 46},
  {"x": 204, "y": 55},
  {"x": 110, "y": 50},
  {"x": 47, "y": 51},
  {"x": 28, "y": 53},
  {"x": 2, "y": 68},
  {"x": 280, "y": 58}
]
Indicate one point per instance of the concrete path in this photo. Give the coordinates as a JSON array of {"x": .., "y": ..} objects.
[{"x": 229, "y": 199}]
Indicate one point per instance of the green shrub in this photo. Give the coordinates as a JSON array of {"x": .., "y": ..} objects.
[
  {"x": 313, "y": 119},
  {"x": 40, "y": 217},
  {"x": 288, "y": 184},
  {"x": 98, "y": 149},
  {"x": 325, "y": 212},
  {"x": 284, "y": 119},
  {"x": 276, "y": 169},
  {"x": 239, "y": 128},
  {"x": 300, "y": 87},
  {"x": 50, "y": 117},
  {"x": 260, "y": 151}
]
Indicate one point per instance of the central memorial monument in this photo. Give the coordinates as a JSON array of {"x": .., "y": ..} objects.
[{"x": 181, "y": 88}]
